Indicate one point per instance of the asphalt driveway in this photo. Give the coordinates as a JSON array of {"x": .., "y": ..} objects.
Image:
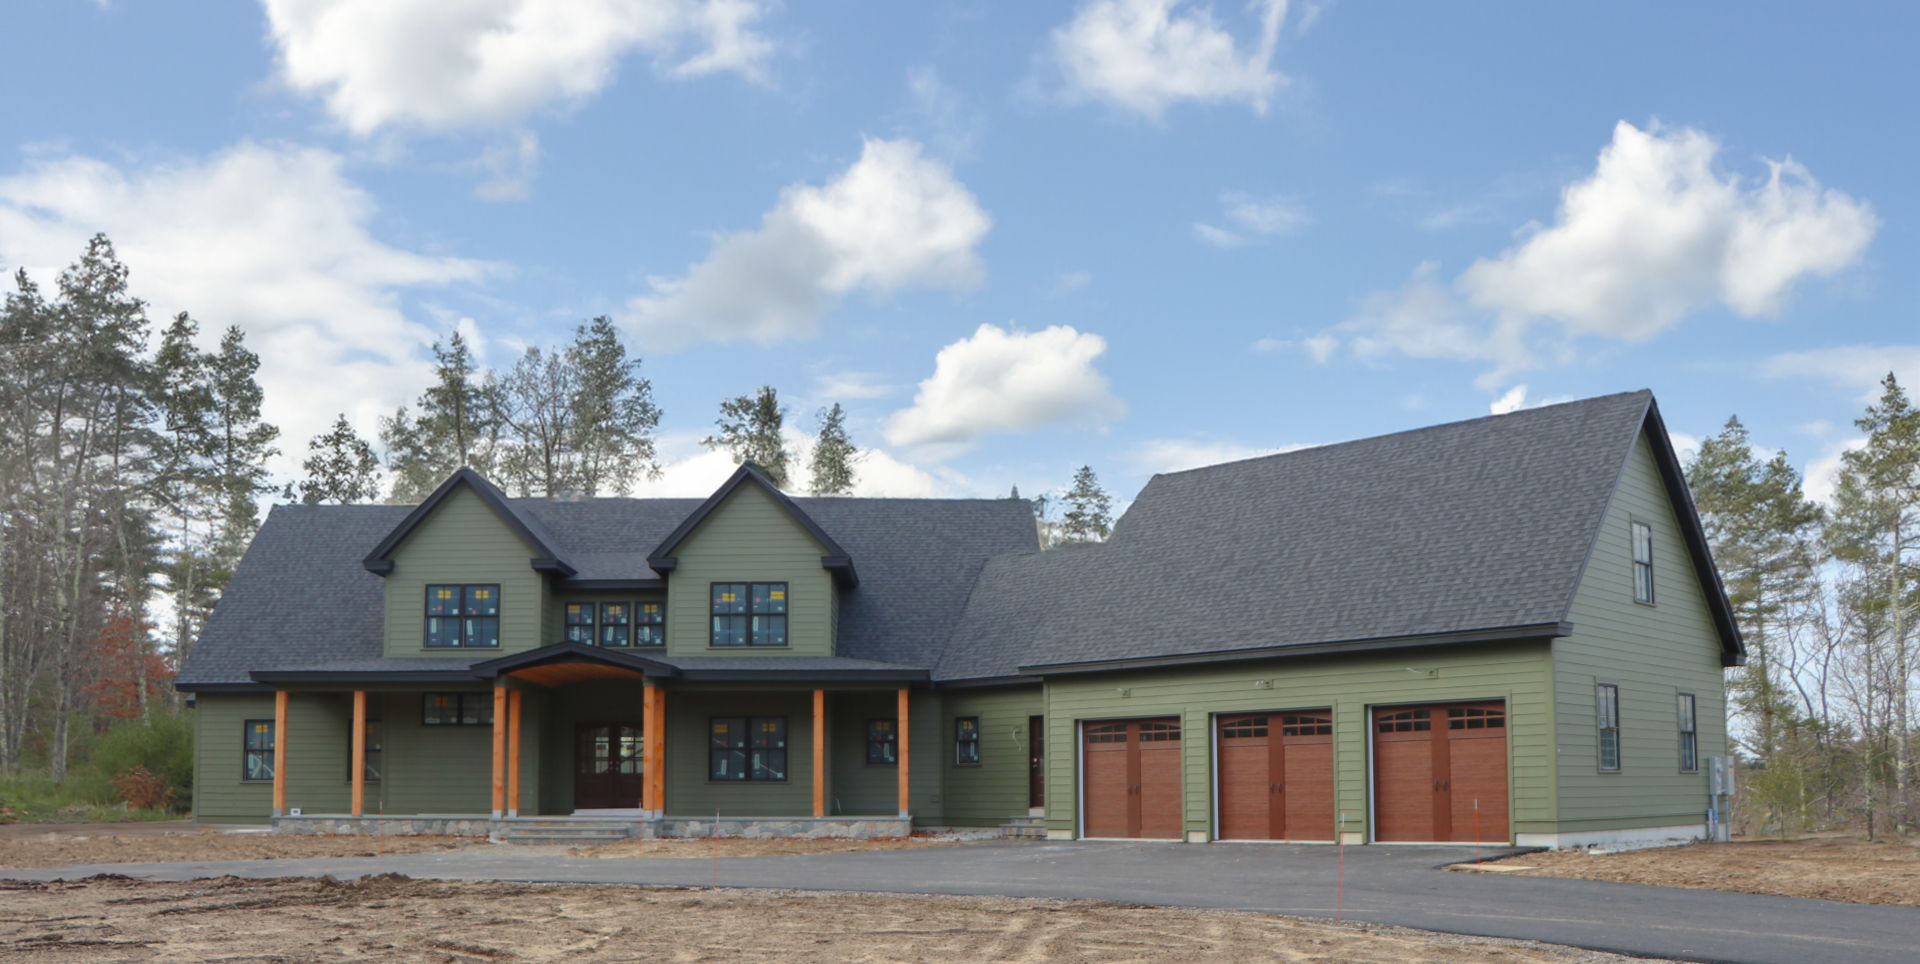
[{"x": 1395, "y": 885}]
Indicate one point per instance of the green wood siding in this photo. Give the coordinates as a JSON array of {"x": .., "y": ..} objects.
[
  {"x": 987, "y": 794},
  {"x": 219, "y": 795},
  {"x": 464, "y": 542},
  {"x": 1517, "y": 672},
  {"x": 750, "y": 539},
  {"x": 1652, "y": 653},
  {"x": 440, "y": 769},
  {"x": 690, "y": 793}
]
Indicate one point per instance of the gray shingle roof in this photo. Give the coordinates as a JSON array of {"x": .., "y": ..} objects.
[{"x": 1455, "y": 528}]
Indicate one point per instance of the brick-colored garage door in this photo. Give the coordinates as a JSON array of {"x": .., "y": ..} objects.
[
  {"x": 1131, "y": 778},
  {"x": 1276, "y": 776},
  {"x": 1440, "y": 772}
]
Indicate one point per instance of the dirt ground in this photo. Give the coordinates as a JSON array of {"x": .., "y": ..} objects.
[
  {"x": 57, "y": 847},
  {"x": 392, "y": 918},
  {"x": 779, "y": 847},
  {"x": 1829, "y": 868}
]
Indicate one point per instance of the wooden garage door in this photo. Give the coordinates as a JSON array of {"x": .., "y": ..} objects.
[
  {"x": 1440, "y": 772},
  {"x": 1131, "y": 779},
  {"x": 1276, "y": 776}
]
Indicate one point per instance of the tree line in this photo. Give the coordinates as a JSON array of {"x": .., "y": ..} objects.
[{"x": 1825, "y": 598}]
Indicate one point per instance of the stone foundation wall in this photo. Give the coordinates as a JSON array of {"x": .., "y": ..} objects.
[
  {"x": 350, "y": 826},
  {"x": 765, "y": 828}
]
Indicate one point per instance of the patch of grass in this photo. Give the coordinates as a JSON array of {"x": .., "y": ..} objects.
[{"x": 84, "y": 797}]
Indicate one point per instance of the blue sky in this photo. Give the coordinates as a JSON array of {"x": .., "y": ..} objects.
[{"x": 1011, "y": 238}]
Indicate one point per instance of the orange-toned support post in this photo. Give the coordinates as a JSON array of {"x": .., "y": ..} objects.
[
  {"x": 649, "y": 746},
  {"x": 499, "y": 750},
  {"x": 279, "y": 753},
  {"x": 513, "y": 753},
  {"x": 359, "y": 751},
  {"x": 657, "y": 741},
  {"x": 819, "y": 753},
  {"x": 905, "y": 809}
]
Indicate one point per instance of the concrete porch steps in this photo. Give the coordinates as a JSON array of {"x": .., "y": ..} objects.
[
  {"x": 1024, "y": 827},
  {"x": 570, "y": 831}
]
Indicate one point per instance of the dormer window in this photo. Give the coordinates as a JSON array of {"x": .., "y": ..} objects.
[
  {"x": 616, "y": 624},
  {"x": 463, "y": 616},
  {"x": 749, "y": 614}
]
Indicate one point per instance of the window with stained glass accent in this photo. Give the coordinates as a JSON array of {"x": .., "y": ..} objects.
[
  {"x": 747, "y": 748},
  {"x": 1107, "y": 733},
  {"x": 883, "y": 742},
  {"x": 1159, "y": 732},
  {"x": 966, "y": 741},
  {"x": 1300, "y": 725},
  {"x": 749, "y": 614},
  {"x": 1606, "y": 700},
  {"x": 1475, "y": 718},
  {"x": 580, "y": 623},
  {"x": 456, "y": 709},
  {"x": 464, "y": 616},
  {"x": 256, "y": 762},
  {"x": 1246, "y": 726},
  {"x": 649, "y": 624},
  {"x": 1405, "y": 721}
]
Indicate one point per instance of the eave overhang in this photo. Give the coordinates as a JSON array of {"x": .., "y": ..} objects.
[
  {"x": 1499, "y": 634},
  {"x": 547, "y": 558}
]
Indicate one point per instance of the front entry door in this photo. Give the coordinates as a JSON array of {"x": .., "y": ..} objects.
[
  {"x": 607, "y": 771},
  {"x": 1036, "y": 762}
]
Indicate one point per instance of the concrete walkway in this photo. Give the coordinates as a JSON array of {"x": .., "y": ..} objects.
[{"x": 1395, "y": 885}]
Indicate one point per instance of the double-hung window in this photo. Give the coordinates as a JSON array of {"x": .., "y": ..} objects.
[
  {"x": 616, "y": 624},
  {"x": 1643, "y": 563},
  {"x": 649, "y": 624},
  {"x": 580, "y": 622},
  {"x": 966, "y": 740},
  {"x": 256, "y": 762},
  {"x": 749, "y": 614},
  {"x": 463, "y": 616},
  {"x": 883, "y": 742},
  {"x": 750, "y": 748},
  {"x": 1689, "y": 735},
  {"x": 1606, "y": 699},
  {"x": 375, "y": 733}
]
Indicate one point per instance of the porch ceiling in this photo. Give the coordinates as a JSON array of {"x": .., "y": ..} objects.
[{"x": 561, "y": 674}]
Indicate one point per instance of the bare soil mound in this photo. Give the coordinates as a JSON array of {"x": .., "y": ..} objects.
[{"x": 1828, "y": 868}]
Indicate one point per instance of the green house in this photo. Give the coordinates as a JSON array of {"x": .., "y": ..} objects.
[{"x": 1506, "y": 630}]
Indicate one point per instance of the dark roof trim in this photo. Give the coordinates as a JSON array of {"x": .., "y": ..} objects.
[
  {"x": 362, "y": 676},
  {"x": 807, "y": 675},
  {"x": 1733, "y": 649},
  {"x": 609, "y": 585},
  {"x": 967, "y": 684},
  {"x": 836, "y": 560},
  {"x": 569, "y": 653},
  {"x": 1534, "y": 631},
  {"x": 222, "y": 688},
  {"x": 548, "y": 557}
]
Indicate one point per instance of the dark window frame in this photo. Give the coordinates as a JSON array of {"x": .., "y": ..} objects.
[
  {"x": 637, "y": 622},
  {"x": 247, "y": 750},
  {"x": 747, "y": 749},
  {"x": 965, "y": 740},
  {"x": 748, "y": 614},
  {"x": 374, "y": 751},
  {"x": 1606, "y": 711},
  {"x": 892, "y": 739},
  {"x": 1641, "y": 533},
  {"x": 459, "y": 706},
  {"x": 1687, "y": 709},
  {"x": 592, "y": 626},
  {"x": 426, "y": 632}
]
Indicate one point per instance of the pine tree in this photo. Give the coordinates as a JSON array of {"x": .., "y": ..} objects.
[
  {"x": 1089, "y": 516},
  {"x": 833, "y": 455},
  {"x": 750, "y": 429},
  {"x": 456, "y": 426},
  {"x": 187, "y": 494},
  {"x": 341, "y": 468},
  {"x": 614, "y": 417}
]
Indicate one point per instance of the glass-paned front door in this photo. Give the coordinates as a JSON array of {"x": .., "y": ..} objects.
[{"x": 607, "y": 768}]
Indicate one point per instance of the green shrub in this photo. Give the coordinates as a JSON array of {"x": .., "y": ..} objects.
[{"x": 163, "y": 746}]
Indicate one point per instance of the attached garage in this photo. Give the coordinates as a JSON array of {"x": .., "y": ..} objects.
[
  {"x": 1276, "y": 775},
  {"x": 1131, "y": 778},
  {"x": 1440, "y": 773}
]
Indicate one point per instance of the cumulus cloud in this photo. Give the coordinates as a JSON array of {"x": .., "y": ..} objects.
[
  {"x": 1143, "y": 56},
  {"x": 1653, "y": 234},
  {"x": 1175, "y": 455},
  {"x": 1516, "y": 399},
  {"x": 1001, "y": 381},
  {"x": 446, "y": 64},
  {"x": 1855, "y": 367},
  {"x": 894, "y": 219},
  {"x": 271, "y": 238},
  {"x": 696, "y": 471},
  {"x": 840, "y": 386},
  {"x": 1253, "y": 217}
]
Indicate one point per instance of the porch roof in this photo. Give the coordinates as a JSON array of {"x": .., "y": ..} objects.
[{"x": 563, "y": 663}]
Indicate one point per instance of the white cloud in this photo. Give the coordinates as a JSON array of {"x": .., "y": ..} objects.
[
  {"x": 1067, "y": 282},
  {"x": 1175, "y": 455},
  {"x": 446, "y": 64},
  {"x": 1684, "y": 444},
  {"x": 512, "y": 166},
  {"x": 892, "y": 220},
  {"x": 1822, "y": 475},
  {"x": 840, "y": 386},
  {"x": 952, "y": 125},
  {"x": 1140, "y": 56},
  {"x": 271, "y": 238},
  {"x": 1516, "y": 399},
  {"x": 696, "y": 472},
  {"x": 1000, "y": 381},
  {"x": 1653, "y": 234},
  {"x": 1255, "y": 216},
  {"x": 1272, "y": 344},
  {"x": 1208, "y": 234},
  {"x": 1856, "y": 367}
]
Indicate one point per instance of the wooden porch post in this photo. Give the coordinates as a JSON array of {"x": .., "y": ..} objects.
[
  {"x": 359, "y": 751},
  {"x": 819, "y": 753},
  {"x": 659, "y": 782},
  {"x": 280, "y": 753},
  {"x": 499, "y": 750},
  {"x": 905, "y": 806},
  {"x": 513, "y": 753},
  {"x": 649, "y": 747}
]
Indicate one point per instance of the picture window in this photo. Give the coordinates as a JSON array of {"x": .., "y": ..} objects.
[
  {"x": 463, "y": 616},
  {"x": 456, "y": 709},
  {"x": 747, "y": 748},
  {"x": 749, "y": 613}
]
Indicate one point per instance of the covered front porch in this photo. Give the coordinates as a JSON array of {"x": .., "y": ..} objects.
[{"x": 586, "y": 743}]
